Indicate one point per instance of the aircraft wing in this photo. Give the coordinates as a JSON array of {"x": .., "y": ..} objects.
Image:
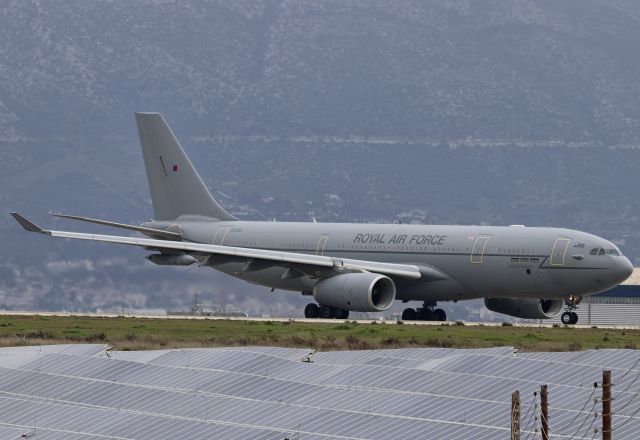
[
  {"x": 339, "y": 264},
  {"x": 159, "y": 233}
]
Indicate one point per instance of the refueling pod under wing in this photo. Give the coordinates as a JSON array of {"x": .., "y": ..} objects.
[{"x": 171, "y": 259}]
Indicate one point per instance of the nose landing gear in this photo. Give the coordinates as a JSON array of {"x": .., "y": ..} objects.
[
  {"x": 571, "y": 304},
  {"x": 569, "y": 318},
  {"x": 427, "y": 312}
]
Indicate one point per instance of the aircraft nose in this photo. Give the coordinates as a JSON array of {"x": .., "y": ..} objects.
[{"x": 623, "y": 268}]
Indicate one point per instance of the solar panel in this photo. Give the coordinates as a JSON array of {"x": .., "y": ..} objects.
[{"x": 262, "y": 392}]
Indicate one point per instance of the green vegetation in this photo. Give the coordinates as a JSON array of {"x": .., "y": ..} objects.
[{"x": 144, "y": 333}]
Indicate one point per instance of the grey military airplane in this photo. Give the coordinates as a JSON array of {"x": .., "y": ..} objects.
[{"x": 526, "y": 272}]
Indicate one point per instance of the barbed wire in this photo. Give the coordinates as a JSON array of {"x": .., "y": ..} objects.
[
  {"x": 532, "y": 416},
  {"x": 534, "y": 433},
  {"x": 626, "y": 388},
  {"x": 630, "y": 417},
  {"x": 592, "y": 414},
  {"x": 526, "y": 428},
  {"x": 570, "y": 424},
  {"x": 535, "y": 423},
  {"x": 635, "y": 364},
  {"x": 595, "y": 416},
  {"x": 627, "y": 403},
  {"x": 533, "y": 430},
  {"x": 533, "y": 401},
  {"x": 633, "y": 414}
]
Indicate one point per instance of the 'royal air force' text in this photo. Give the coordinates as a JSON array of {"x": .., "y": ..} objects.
[{"x": 434, "y": 240}]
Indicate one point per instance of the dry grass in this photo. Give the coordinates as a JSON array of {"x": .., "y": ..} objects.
[{"x": 146, "y": 334}]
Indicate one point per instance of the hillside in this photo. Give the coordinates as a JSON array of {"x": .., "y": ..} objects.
[{"x": 510, "y": 70}]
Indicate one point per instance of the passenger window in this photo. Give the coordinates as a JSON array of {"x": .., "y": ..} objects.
[{"x": 594, "y": 251}]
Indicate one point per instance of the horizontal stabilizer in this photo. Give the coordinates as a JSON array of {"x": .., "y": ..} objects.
[{"x": 148, "y": 231}]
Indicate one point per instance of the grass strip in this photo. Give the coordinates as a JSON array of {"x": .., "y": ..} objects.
[{"x": 125, "y": 333}]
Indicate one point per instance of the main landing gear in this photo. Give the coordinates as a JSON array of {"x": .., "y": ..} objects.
[
  {"x": 569, "y": 316},
  {"x": 427, "y": 312},
  {"x": 313, "y": 311}
]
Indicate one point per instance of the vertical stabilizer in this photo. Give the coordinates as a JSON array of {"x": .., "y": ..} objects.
[{"x": 175, "y": 186}]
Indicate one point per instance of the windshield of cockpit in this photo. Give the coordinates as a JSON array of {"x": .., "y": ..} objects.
[{"x": 603, "y": 251}]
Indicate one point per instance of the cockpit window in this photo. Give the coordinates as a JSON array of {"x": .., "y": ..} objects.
[{"x": 602, "y": 251}]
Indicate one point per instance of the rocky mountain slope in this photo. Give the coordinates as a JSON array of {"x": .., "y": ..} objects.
[{"x": 450, "y": 69}]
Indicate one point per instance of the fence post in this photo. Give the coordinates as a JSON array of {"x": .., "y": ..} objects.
[
  {"x": 515, "y": 415},
  {"x": 544, "y": 413},
  {"x": 606, "y": 405}
]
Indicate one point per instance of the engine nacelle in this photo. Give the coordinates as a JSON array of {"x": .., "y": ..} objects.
[
  {"x": 527, "y": 308},
  {"x": 171, "y": 259},
  {"x": 361, "y": 292}
]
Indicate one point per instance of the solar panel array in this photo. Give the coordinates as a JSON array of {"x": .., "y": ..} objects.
[{"x": 90, "y": 392}]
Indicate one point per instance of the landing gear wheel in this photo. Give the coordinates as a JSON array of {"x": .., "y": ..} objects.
[
  {"x": 409, "y": 315},
  {"x": 326, "y": 312},
  {"x": 571, "y": 303},
  {"x": 342, "y": 314},
  {"x": 427, "y": 315},
  {"x": 440, "y": 315},
  {"x": 567, "y": 318},
  {"x": 311, "y": 311},
  {"x": 574, "y": 317}
]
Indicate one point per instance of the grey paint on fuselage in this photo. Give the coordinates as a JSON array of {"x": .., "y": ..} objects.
[{"x": 477, "y": 261}]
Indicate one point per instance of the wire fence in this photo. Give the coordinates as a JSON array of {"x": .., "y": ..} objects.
[{"x": 591, "y": 421}]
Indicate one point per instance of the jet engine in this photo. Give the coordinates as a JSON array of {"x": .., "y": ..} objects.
[
  {"x": 362, "y": 292},
  {"x": 527, "y": 308},
  {"x": 171, "y": 259}
]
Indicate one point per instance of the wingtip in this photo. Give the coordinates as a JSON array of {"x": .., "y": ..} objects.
[{"x": 27, "y": 224}]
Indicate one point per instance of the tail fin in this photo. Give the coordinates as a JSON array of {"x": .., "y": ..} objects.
[{"x": 176, "y": 188}]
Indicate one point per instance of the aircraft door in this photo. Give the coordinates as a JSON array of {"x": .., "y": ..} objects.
[
  {"x": 559, "y": 251},
  {"x": 321, "y": 244},
  {"x": 477, "y": 253},
  {"x": 221, "y": 233}
]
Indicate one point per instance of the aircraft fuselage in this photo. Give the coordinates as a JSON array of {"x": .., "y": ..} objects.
[{"x": 474, "y": 261}]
